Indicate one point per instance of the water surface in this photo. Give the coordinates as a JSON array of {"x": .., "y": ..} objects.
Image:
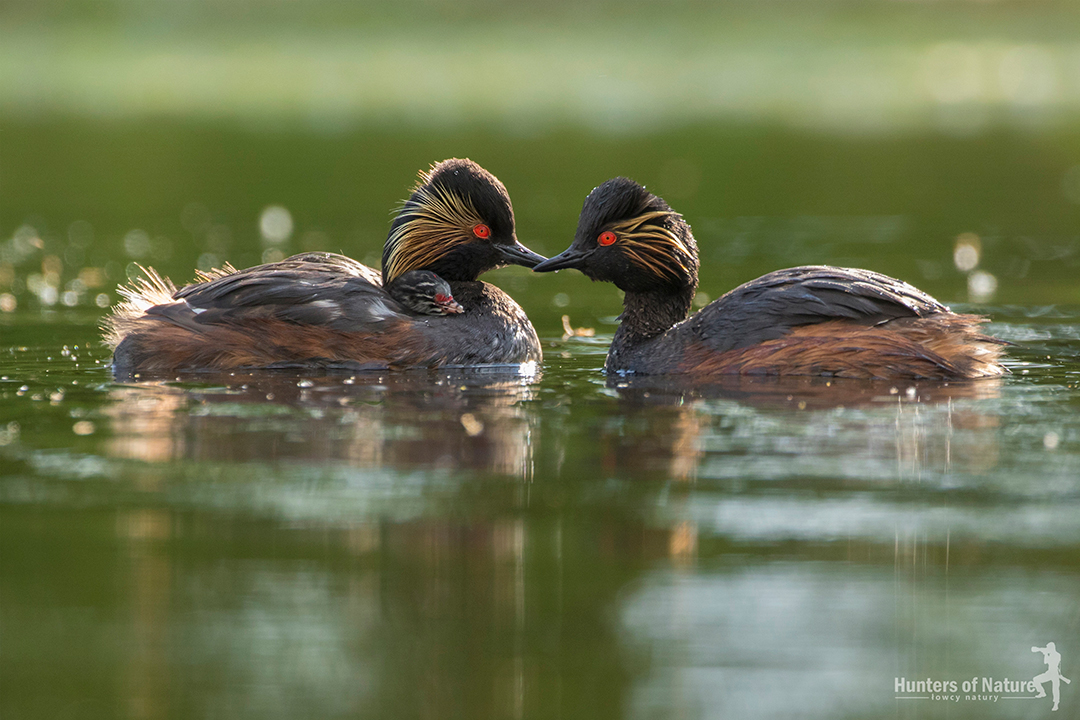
[{"x": 498, "y": 544}]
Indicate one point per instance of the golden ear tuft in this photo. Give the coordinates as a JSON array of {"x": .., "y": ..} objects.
[
  {"x": 654, "y": 248},
  {"x": 438, "y": 220}
]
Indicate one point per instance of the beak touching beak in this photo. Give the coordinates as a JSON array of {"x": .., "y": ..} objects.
[
  {"x": 518, "y": 254},
  {"x": 569, "y": 258}
]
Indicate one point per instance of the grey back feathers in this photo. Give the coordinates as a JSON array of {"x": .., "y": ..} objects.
[
  {"x": 770, "y": 306},
  {"x": 309, "y": 289}
]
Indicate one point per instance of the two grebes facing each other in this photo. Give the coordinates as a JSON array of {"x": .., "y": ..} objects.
[{"x": 427, "y": 308}]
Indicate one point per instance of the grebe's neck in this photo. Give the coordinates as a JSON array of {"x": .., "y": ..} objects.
[{"x": 647, "y": 314}]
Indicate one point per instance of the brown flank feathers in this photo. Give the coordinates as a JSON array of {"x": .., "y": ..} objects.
[{"x": 942, "y": 346}]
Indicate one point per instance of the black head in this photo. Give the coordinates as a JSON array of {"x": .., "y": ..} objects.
[
  {"x": 458, "y": 223},
  {"x": 424, "y": 292},
  {"x": 630, "y": 237}
]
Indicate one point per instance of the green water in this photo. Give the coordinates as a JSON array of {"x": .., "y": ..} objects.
[{"x": 545, "y": 545}]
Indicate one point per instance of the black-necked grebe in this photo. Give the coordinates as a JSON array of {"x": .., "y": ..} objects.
[
  {"x": 321, "y": 310},
  {"x": 814, "y": 320}
]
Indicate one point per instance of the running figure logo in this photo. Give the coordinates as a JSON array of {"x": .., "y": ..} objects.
[{"x": 1052, "y": 658}]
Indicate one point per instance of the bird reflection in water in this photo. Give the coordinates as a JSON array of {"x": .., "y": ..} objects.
[
  {"x": 672, "y": 426},
  {"x": 469, "y": 419},
  {"x": 418, "y": 612},
  {"x": 433, "y": 600}
]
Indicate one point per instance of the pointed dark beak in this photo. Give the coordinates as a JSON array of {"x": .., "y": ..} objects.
[
  {"x": 569, "y": 258},
  {"x": 518, "y": 254}
]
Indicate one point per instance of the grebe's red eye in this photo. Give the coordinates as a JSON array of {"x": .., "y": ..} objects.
[
  {"x": 440, "y": 298},
  {"x": 607, "y": 238},
  {"x": 481, "y": 231}
]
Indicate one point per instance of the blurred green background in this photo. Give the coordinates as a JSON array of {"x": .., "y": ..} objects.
[{"x": 861, "y": 133}]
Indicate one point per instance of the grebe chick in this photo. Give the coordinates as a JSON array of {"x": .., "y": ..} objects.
[
  {"x": 425, "y": 293},
  {"x": 814, "y": 320}
]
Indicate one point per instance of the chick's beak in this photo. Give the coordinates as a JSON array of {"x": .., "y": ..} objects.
[
  {"x": 518, "y": 254},
  {"x": 569, "y": 258},
  {"x": 450, "y": 306}
]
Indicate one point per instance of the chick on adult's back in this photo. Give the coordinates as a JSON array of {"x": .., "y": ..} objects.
[
  {"x": 321, "y": 310},
  {"x": 813, "y": 320},
  {"x": 425, "y": 293}
]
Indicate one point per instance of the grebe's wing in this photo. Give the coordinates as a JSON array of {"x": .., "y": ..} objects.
[
  {"x": 309, "y": 289},
  {"x": 772, "y": 305}
]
